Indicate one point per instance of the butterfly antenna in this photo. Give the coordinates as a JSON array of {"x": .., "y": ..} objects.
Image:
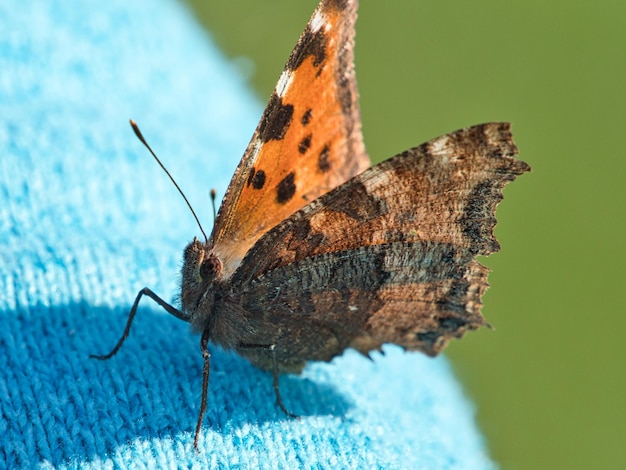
[
  {"x": 213, "y": 196},
  {"x": 139, "y": 135}
]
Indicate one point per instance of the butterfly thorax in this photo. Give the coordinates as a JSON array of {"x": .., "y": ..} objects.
[
  {"x": 207, "y": 298},
  {"x": 200, "y": 274}
]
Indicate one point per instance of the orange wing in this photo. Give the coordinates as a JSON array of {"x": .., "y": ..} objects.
[{"x": 307, "y": 142}]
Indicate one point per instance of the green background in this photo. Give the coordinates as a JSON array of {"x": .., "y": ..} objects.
[{"x": 549, "y": 382}]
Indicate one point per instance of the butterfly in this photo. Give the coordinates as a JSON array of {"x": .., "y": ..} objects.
[{"x": 313, "y": 251}]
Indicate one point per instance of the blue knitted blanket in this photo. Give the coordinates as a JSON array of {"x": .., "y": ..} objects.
[{"x": 87, "y": 219}]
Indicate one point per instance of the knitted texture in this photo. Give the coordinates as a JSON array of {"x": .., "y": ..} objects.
[{"x": 87, "y": 219}]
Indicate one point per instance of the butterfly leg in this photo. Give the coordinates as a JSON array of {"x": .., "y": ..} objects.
[
  {"x": 145, "y": 291},
  {"x": 279, "y": 399},
  {"x": 206, "y": 370},
  {"x": 272, "y": 349}
]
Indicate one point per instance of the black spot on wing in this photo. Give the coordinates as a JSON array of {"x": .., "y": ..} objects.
[
  {"x": 323, "y": 162},
  {"x": 256, "y": 179},
  {"x": 286, "y": 188},
  {"x": 304, "y": 144},
  {"x": 276, "y": 119},
  {"x": 306, "y": 117},
  {"x": 310, "y": 45}
]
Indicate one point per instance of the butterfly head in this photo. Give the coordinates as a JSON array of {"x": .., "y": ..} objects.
[{"x": 201, "y": 269}]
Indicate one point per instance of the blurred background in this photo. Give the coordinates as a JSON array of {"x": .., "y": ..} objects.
[{"x": 549, "y": 382}]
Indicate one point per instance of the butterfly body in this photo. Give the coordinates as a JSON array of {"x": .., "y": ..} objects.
[
  {"x": 237, "y": 321},
  {"x": 313, "y": 251}
]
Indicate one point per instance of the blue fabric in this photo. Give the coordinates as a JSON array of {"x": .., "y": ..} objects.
[{"x": 87, "y": 219}]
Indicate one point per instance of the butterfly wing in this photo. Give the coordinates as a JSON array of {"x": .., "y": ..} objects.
[
  {"x": 390, "y": 256},
  {"x": 307, "y": 142}
]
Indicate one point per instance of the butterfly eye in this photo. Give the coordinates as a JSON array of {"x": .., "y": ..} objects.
[{"x": 210, "y": 268}]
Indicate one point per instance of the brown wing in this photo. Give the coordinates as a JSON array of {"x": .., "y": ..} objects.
[
  {"x": 307, "y": 142},
  {"x": 390, "y": 256}
]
